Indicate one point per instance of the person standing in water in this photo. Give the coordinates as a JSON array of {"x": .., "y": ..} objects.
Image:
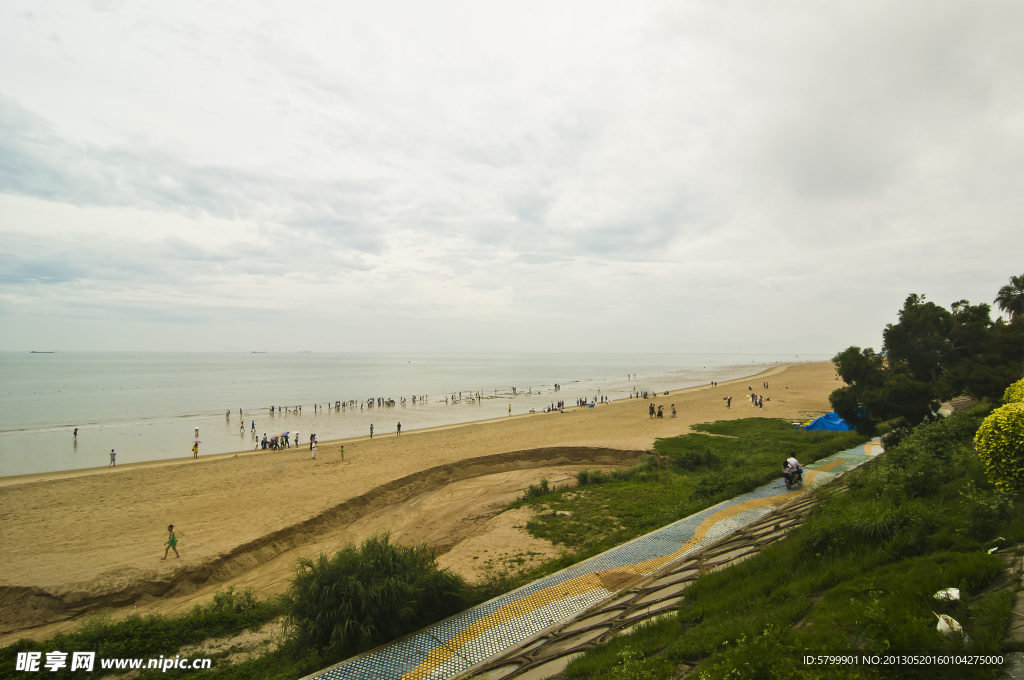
[
  {"x": 195, "y": 450},
  {"x": 172, "y": 542},
  {"x": 113, "y": 458}
]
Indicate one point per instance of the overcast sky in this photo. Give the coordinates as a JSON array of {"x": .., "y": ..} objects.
[{"x": 491, "y": 176}]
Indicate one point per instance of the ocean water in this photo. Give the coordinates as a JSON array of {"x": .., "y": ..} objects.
[{"x": 146, "y": 406}]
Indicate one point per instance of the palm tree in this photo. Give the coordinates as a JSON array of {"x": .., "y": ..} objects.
[{"x": 1011, "y": 297}]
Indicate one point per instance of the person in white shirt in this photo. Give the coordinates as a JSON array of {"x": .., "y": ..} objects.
[{"x": 792, "y": 471}]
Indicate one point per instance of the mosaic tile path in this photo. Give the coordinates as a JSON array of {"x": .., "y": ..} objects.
[{"x": 474, "y": 639}]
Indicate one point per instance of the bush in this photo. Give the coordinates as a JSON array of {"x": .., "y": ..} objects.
[
  {"x": 1000, "y": 444},
  {"x": 362, "y": 597},
  {"x": 982, "y": 510},
  {"x": 1014, "y": 393},
  {"x": 894, "y": 437},
  {"x": 534, "y": 491}
]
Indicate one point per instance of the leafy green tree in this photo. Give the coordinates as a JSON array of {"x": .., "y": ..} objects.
[
  {"x": 920, "y": 341},
  {"x": 930, "y": 354},
  {"x": 1010, "y": 298},
  {"x": 878, "y": 391},
  {"x": 857, "y": 403},
  {"x": 967, "y": 359}
]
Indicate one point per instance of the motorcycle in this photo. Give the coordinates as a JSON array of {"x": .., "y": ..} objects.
[{"x": 793, "y": 479}]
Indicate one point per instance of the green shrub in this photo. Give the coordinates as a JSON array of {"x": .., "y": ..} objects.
[
  {"x": 362, "y": 597},
  {"x": 982, "y": 510},
  {"x": 535, "y": 491},
  {"x": 1000, "y": 444},
  {"x": 1014, "y": 393}
]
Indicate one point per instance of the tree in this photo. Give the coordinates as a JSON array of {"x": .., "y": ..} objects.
[
  {"x": 878, "y": 391},
  {"x": 920, "y": 341},
  {"x": 864, "y": 373},
  {"x": 1010, "y": 298},
  {"x": 931, "y": 354}
]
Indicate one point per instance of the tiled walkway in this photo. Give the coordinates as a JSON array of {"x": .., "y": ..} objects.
[{"x": 468, "y": 640}]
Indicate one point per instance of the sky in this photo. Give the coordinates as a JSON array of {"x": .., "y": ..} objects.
[{"x": 629, "y": 176}]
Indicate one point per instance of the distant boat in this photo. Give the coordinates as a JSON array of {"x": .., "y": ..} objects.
[
  {"x": 36, "y": 351},
  {"x": 255, "y": 352}
]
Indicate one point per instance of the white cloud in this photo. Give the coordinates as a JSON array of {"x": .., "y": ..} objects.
[{"x": 464, "y": 174}]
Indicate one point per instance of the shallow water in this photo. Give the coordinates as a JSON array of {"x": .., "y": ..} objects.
[{"x": 146, "y": 405}]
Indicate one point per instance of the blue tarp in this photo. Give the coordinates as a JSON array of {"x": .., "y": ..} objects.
[{"x": 829, "y": 421}]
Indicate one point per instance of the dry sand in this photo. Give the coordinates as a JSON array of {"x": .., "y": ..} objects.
[{"x": 83, "y": 541}]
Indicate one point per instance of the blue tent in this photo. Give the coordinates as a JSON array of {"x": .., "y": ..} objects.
[{"x": 829, "y": 421}]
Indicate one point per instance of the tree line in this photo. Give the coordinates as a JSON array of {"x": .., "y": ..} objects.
[{"x": 930, "y": 355}]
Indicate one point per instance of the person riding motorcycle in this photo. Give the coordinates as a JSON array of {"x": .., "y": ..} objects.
[{"x": 792, "y": 472}]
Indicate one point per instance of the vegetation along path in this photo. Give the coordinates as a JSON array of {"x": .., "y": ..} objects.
[{"x": 535, "y": 630}]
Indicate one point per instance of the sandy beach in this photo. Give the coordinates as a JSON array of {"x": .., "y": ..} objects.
[{"x": 79, "y": 542}]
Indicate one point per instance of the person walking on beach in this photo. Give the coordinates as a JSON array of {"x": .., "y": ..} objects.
[
  {"x": 195, "y": 450},
  {"x": 651, "y": 410},
  {"x": 113, "y": 458},
  {"x": 172, "y": 542},
  {"x": 371, "y": 430},
  {"x": 399, "y": 427},
  {"x": 312, "y": 447}
]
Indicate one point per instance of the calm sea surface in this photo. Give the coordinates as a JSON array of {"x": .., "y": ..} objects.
[{"x": 147, "y": 405}]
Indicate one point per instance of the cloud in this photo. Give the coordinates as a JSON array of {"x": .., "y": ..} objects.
[{"x": 585, "y": 167}]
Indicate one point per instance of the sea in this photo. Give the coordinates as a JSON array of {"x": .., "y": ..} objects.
[{"x": 147, "y": 405}]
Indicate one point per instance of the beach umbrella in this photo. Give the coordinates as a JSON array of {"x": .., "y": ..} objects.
[{"x": 196, "y": 441}]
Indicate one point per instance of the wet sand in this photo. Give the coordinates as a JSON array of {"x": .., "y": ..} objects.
[{"x": 82, "y": 541}]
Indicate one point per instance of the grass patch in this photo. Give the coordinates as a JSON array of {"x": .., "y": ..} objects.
[
  {"x": 154, "y": 635},
  {"x": 858, "y": 577},
  {"x": 683, "y": 475}
]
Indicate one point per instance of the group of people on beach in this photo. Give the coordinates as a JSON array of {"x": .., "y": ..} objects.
[
  {"x": 660, "y": 412},
  {"x": 285, "y": 439}
]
